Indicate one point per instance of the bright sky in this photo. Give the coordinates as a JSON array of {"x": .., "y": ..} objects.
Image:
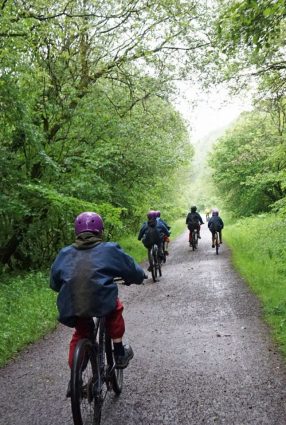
[{"x": 208, "y": 112}]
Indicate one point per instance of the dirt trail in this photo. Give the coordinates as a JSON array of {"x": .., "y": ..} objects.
[{"x": 202, "y": 355}]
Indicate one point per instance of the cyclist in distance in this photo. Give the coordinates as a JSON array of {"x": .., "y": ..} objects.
[
  {"x": 194, "y": 221},
  {"x": 161, "y": 220},
  {"x": 215, "y": 224},
  {"x": 152, "y": 232},
  {"x": 165, "y": 238},
  {"x": 83, "y": 274},
  {"x": 207, "y": 213}
]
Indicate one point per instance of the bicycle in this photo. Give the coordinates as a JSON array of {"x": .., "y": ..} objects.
[
  {"x": 93, "y": 374},
  {"x": 154, "y": 262},
  {"x": 194, "y": 239},
  {"x": 216, "y": 241}
]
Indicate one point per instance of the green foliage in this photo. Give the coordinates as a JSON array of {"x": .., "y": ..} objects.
[
  {"x": 259, "y": 251},
  {"x": 84, "y": 128},
  {"x": 27, "y": 312},
  {"x": 254, "y": 24},
  {"x": 248, "y": 164},
  {"x": 248, "y": 44}
]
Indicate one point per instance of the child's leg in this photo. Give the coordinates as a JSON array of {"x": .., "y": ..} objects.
[
  {"x": 167, "y": 240},
  {"x": 115, "y": 327},
  {"x": 83, "y": 329},
  {"x": 220, "y": 237},
  {"x": 114, "y": 322}
]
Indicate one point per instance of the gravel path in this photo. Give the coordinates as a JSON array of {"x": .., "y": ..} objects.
[{"x": 202, "y": 355}]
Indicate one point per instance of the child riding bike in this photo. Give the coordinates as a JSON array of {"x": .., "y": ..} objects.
[
  {"x": 83, "y": 275},
  {"x": 152, "y": 232},
  {"x": 166, "y": 239},
  {"x": 207, "y": 213},
  {"x": 193, "y": 221},
  {"x": 215, "y": 224}
]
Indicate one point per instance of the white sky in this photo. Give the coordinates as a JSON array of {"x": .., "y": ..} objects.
[{"x": 206, "y": 112}]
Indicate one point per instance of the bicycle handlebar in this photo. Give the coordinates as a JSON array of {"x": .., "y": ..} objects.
[{"x": 123, "y": 282}]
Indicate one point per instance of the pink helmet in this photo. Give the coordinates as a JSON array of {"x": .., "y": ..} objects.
[
  {"x": 88, "y": 222},
  {"x": 151, "y": 214}
]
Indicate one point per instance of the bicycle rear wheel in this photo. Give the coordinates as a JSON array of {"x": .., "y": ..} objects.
[
  {"x": 216, "y": 243},
  {"x": 115, "y": 375},
  {"x": 164, "y": 252},
  {"x": 156, "y": 261},
  {"x": 152, "y": 264},
  {"x": 84, "y": 374},
  {"x": 194, "y": 240},
  {"x": 159, "y": 269}
]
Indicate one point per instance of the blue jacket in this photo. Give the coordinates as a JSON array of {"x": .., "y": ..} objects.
[
  {"x": 164, "y": 222},
  {"x": 84, "y": 280},
  {"x": 159, "y": 225}
]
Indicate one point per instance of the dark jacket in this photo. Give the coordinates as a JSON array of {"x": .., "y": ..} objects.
[
  {"x": 84, "y": 279},
  {"x": 215, "y": 223},
  {"x": 159, "y": 225},
  {"x": 194, "y": 218}
]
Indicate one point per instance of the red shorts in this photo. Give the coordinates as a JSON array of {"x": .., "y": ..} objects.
[{"x": 114, "y": 322}]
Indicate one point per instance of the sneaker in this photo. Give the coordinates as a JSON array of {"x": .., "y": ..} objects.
[
  {"x": 199, "y": 237},
  {"x": 149, "y": 269},
  {"x": 220, "y": 242},
  {"x": 166, "y": 252},
  {"x": 212, "y": 246},
  {"x": 123, "y": 361},
  {"x": 68, "y": 393}
]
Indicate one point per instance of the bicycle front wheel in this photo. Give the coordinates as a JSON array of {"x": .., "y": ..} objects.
[
  {"x": 115, "y": 375},
  {"x": 84, "y": 374}
]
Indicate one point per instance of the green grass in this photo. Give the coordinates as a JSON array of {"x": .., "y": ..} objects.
[
  {"x": 259, "y": 253},
  {"x": 28, "y": 306},
  {"x": 27, "y": 312}
]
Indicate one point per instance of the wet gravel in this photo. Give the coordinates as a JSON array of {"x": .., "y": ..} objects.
[{"x": 202, "y": 354}]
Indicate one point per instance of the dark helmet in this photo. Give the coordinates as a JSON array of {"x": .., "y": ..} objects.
[
  {"x": 193, "y": 209},
  {"x": 88, "y": 222},
  {"x": 158, "y": 213},
  {"x": 151, "y": 214}
]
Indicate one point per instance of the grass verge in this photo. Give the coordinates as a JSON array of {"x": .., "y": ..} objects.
[
  {"x": 27, "y": 312},
  {"x": 258, "y": 247}
]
